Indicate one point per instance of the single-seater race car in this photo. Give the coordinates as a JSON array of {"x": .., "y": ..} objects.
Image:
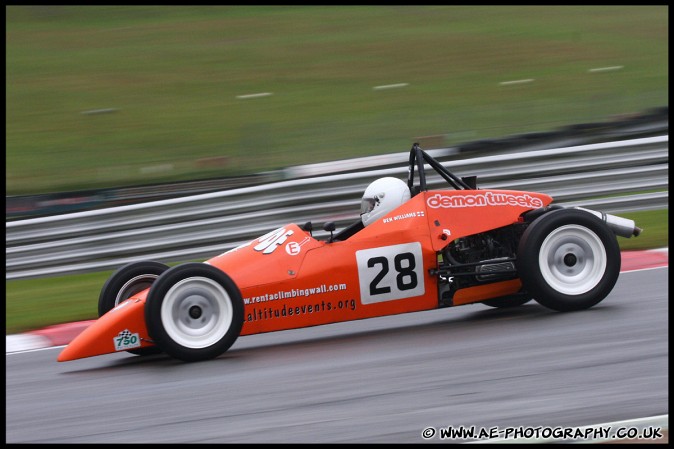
[{"x": 412, "y": 249}]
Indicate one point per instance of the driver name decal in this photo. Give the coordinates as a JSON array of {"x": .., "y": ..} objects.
[
  {"x": 483, "y": 199},
  {"x": 404, "y": 216}
]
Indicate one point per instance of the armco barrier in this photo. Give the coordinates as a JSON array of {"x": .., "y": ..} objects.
[{"x": 612, "y": 177}]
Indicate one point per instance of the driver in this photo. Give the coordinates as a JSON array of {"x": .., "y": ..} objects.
[{"x": 381, "y": 197}]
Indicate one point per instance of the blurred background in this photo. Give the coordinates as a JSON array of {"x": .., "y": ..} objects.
[
  {"x": 108, "y": 96},
  {"x": 108, "y": 105}
]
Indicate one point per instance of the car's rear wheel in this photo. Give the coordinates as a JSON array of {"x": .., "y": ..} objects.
[
  {"x": 194, "y": 312},
  {"x": 128, "y": 280},
  {"x": 568, "y": 260}
]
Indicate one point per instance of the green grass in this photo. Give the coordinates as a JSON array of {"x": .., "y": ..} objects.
[
  {"x": 172, "y": 74},
  {"x": 34, "y": 303},
  {"x": 655, "y": 234}
]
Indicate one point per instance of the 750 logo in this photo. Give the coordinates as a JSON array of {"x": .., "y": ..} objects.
[{"x": 126, "y": 340}]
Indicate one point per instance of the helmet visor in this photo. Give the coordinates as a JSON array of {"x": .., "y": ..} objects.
[{"x": 367, "y": 204}]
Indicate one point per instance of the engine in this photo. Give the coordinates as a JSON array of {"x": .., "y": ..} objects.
[
  {"x": 479, "y": 259},
  {"x": 492, "y": 245}
]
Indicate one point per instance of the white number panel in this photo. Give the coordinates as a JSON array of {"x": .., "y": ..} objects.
[{"x": 390, "y": 272}]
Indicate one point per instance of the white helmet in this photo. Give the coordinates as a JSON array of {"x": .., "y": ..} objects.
[{"x": 381, "y": 197}]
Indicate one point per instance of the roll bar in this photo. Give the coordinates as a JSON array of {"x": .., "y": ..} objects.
[{"x": 418, "y": 157}]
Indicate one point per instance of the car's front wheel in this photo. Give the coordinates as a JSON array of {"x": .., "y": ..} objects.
[
  {"x": 194, "y": 312},
  {"x": 568, "y": 260},
  {"x": 125, "y": 282}
]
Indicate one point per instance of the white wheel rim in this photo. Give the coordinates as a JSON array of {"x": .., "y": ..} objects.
[
  {"x": 197, "y": 312},
  {"x": 133, "y": 286},
  {"x": 572, "y": 259}
]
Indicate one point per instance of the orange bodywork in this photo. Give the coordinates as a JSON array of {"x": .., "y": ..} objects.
[
  {"x": 290, "y": 280},
  {"x": 99, "y": 337}
]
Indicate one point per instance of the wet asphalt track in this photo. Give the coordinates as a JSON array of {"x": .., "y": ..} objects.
[{"x": 377, "y": 380}]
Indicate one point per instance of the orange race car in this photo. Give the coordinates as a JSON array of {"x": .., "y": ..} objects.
[{"x": 412, "y": 249}]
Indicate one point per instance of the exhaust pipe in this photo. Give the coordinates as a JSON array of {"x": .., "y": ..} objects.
[{"x": 620, "y": 226}]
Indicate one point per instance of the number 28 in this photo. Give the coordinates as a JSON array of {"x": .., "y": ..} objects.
[{"x": 406, "y": 278}]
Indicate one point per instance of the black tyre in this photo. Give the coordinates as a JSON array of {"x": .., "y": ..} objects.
[
  {"x": 508, "y": 301},
  {"x": 568, "y": 260},
  {"x": 126, "y": 282},
  {"x": 194, "y": 312}
]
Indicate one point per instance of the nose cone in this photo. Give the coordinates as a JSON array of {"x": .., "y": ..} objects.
[
  {"x": 120, "y": 329},
  {"x": 70, "y": 352}
]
